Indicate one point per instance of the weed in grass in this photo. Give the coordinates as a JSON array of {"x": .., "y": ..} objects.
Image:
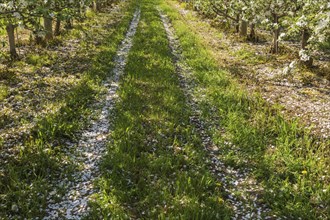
[
  {"x": 3, "y": 92},
  {"x": 38, "y": 60},
  {"x": 249, "y": 57},
  {"x": 90, "y": 14},
  {"x": 8, "y": 76}
]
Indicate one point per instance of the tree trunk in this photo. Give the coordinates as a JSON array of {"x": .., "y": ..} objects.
[
  {"x": 38, "y": 39},
  {"x": 69, "y": 24},
  {"x": 10, "y": 28},
  {"x": 243, "y": 28},
  {"x": 57, "y": 27},
  {"x": 96, "y": 6},
  {"x": 304, "y": 42},
  {"x": 48, "y": 25},
  {"x": 252, "y": 32},
  {"x": 276, "y": 34},
  {"x": 304, "y": 39},
  {"x": 237, "y": 23}
]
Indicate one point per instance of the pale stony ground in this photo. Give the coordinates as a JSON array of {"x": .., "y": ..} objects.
[
  {"x": 245, "y": 205},
  {"x": 91, "y": 148}
]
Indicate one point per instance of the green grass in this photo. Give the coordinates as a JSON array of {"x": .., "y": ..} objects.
[
  {"x": 2, "y": 33},
  {"x": 291, "y": 164},
  {"x": 3, "y": 92},
  {"x": 326, "y": 45},
  {"x": 249, "y": 56},
  {"x": 38, "y": 60},
  {"x": 156, "y": 167},
  {"x": 24, "y": 180},
  {"x": 4, "y": 118}
]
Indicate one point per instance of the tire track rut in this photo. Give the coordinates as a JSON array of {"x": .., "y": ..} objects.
[
  {"x": 247, "y": 204},
  {"x": 92, "y": 146}
]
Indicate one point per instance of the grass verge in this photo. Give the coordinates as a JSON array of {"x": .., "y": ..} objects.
[
  {"x": 292, "y": 165},
  {"x": 155, "y": 167},
  {"x": 25, "y": 178}
]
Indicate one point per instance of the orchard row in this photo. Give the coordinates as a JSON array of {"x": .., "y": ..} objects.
[
  {"x": 308, "y": 20},
  {"x": 38, "y": 16}
]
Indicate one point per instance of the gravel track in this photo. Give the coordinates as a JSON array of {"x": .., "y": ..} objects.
[
  {"x": 246, "y": 204},
  {"x": 91, "y": 147}
]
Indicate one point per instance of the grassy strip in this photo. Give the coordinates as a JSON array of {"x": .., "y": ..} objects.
[
  {"x": 25, "y": 183},
  {"x": 292, "y": 165},
  {"x": 155, "y": 167}
]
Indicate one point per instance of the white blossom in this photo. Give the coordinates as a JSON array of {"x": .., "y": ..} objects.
[
  {"x": 293, "y": 64},
  {"x": 304, "y": 55},
  {"x": 302, "y": 22},
  {"x": 282, "y": 35}
]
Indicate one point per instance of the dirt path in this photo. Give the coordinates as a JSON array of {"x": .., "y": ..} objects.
[
  {"x": 91, "y": 147},
  {"x": 247, "y": 204}
]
